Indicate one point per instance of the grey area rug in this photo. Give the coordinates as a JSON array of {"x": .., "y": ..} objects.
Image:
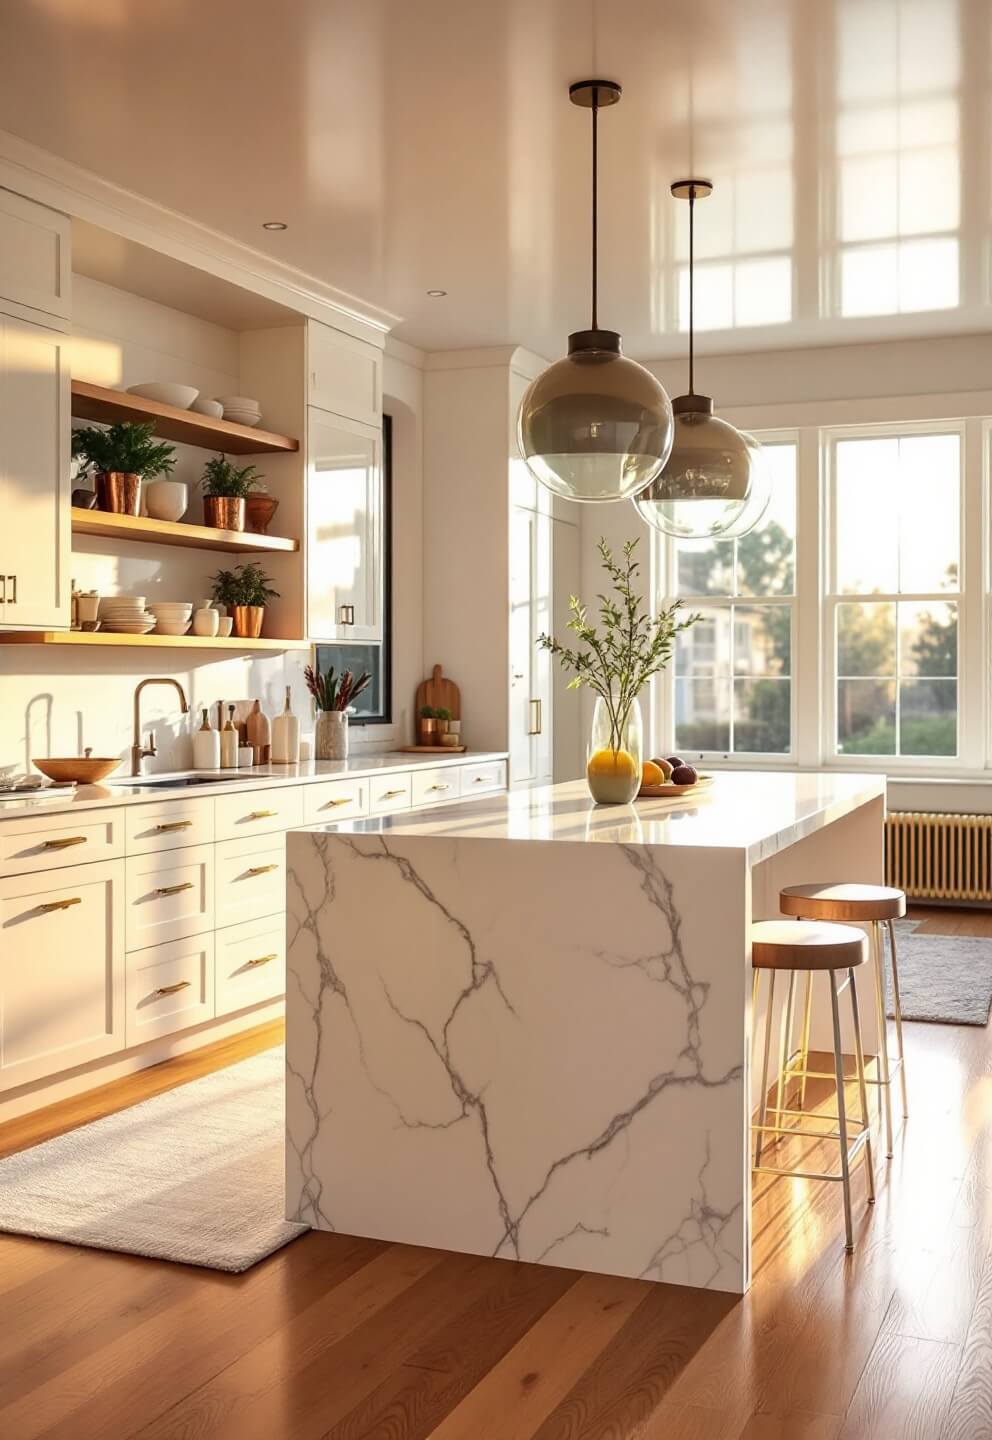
[
  {"x": 946, "y": 979},
  {"x": 195, "y": 1175}
]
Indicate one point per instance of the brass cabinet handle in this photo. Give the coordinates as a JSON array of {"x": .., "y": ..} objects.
[
  {"x": 482, "y": 780},
  {"x": 329, "y": 804},
  {"x": 391, "y": 794},
  {"x": 262, "y": 814},
  {"x": 262, "y": 869},
  {"x": 64, "y": 841},
  {"x": 171, "y": 989},
  {"x": 439, "y": 787},
  {"x": 174, "y": 889},
  {"x": 164, "y": 828},
  {"x": 262, "y": 960},
  {"x": 11, "y": 599},
  {"x": 50, "y": 905},
  {"x": 347, "y": 614},
  {"x": 3, "y": 592},
  {"x": 536, "y": 720}
]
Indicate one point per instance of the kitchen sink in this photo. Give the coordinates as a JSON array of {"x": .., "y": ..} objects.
[{"x": 175, "y": 782}]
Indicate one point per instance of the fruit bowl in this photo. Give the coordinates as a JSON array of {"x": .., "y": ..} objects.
[
  {"x": 670, "y": 777},
  {"x": 659, "y": 792}
]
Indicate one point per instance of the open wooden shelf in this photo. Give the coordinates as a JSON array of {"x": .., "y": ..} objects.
[
  {"x": 169, "y": 642},
  {"x": 97, "y": 402},
  {"x": 173, "y": 532}
]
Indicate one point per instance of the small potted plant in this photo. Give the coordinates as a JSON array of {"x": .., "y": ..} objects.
[
  {"x": 428, "y": 724},
  {"x": 226, "y": 487},
  {"x": 442, "y": 719},
  {"x": 119, "y": 457},
  {"x": 245, "y": 591},
  {"x": 332, "y": 697}
]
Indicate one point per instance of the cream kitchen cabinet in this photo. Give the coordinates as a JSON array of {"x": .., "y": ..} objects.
[
  {"x": 344, "y": 375},
  {"x": 35, "y": 244},
  {"x": 345, "y": 504},
  {"x": 530, "y": 667},
  {"x": 61, "y": 970},
  {"x": 34, "y": 477}
]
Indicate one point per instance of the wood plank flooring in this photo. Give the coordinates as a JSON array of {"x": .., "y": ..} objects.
[{"x": 336, "y": 1338}]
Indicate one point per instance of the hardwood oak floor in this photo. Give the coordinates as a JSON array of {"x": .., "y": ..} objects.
[{"x": 347, "y": 1338}]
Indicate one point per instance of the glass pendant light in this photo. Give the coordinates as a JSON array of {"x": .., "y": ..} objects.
[
  {"x": 705, "y": 484},
  {"x": 595, "y": 426},
  {"x": 760, "y": 497}
]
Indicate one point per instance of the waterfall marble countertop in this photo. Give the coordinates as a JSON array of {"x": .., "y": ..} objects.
[{"x": 505, "y": 1041}]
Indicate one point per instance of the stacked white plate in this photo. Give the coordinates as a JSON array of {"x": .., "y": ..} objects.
[
  {"x": 172, "y": 617},
  {"x": 240, "y": 409},
  {"x": 125, "y": 615}
]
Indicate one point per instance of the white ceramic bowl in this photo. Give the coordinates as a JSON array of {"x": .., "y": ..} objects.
[
  {"x": 166, "y": 499},
  {"x": 167, "y": 627},
  {"x": 202, "y": 406},
  {"x": 225, "y": 625},
  {"x": 239, "y": 402},
  {"x": 181, "y": 396},
  {"x": 121, "y": 602}
]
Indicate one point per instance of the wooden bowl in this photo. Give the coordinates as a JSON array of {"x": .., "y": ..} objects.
[
  {"x": 83, "y": 769},
  {"x": 670, "y": 791}
]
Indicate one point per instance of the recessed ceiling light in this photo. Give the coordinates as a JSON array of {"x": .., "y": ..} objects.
[
  {"x": 436, "y": 294},
  {"x": 274, "y": 225}
]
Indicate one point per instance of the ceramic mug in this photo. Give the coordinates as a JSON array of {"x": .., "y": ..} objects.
[
  {"x": 225, "y": 624},
  {"x": 205, "y": 621}
]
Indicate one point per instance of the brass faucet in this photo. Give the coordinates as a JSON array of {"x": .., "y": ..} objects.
[{"x": 139, "y": 751}]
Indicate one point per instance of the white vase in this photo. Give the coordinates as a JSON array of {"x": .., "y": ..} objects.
[
  {"x": 166, "y": 499},
  {"x": 206, "y": 621},
  {"x": 331, "y": 735}
]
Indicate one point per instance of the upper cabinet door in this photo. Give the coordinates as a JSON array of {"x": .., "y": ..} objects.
[
  {"x": 34, "y": 255},
  {"x": 344, "y": 530},
  {"x": 344, "y": 375},
  {"x": 34, "y": 477}
]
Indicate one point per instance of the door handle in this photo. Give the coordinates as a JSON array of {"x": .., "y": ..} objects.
[
  {"x": 262, "y": 869},
  {"x": 535, "y": 718},
  {"x": 51, "y": 905},
  {"x": 12, "y": 598},
  {"x": 171, "y": 989},
  {"x": 347, "y": 614},
  {"x": 174, "y": 889},
  {"x": 64, "y": 842},
  {"x": 3, "y": 592}
]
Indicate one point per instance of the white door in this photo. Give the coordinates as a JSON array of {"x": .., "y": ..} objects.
[
  {"x": 34, "y": 477},
  {"x": 530, "y": 666},
  {"x": 344, "y": 529},
  {"x": 61, "y": 970}
]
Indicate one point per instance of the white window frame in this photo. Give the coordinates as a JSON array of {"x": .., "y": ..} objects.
[
  {"x": 663, "y": 739},
  {"x": 970, "y": 598}
]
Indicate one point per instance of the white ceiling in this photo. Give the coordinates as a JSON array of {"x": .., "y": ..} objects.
[{"x": 419, "y": 144}]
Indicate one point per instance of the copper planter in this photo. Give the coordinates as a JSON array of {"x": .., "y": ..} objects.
[
  {"x": 259, "y": 510},
  {"x": 224, "y": 512},
  {"x": 248, "y": 621},
  {"x": 118, "y": 492}
]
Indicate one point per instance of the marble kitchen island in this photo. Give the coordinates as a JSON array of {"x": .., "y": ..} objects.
[{"x": 521, "y": 1027}]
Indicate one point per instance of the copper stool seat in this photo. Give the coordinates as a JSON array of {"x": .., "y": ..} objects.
[
  {"x": 807, "y": 947},
  {"x": 872, "y": 906}
]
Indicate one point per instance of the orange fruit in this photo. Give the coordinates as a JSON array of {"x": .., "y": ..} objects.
[
  {"x": 614, "y": 763},
  {"x": 652, "y": 774}
]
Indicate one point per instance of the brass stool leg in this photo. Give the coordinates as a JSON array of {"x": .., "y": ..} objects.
[
  {"x": 897, "y": 1011},
  {"x": 884, "y": 1077},
  {"x": 763, "y": 1104},
  {"x": 845, "y": 1165},
  {"x": 788, "y": 1014},
  {"x": 804, "y": 1043},
  {"x": 859, "y": 1056}
]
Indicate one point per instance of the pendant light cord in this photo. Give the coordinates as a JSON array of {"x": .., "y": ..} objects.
[
  {"x": 595, "y": 209},
  {"x": 692, "y": 268}
]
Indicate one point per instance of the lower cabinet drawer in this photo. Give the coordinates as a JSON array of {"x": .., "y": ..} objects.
[
  {"x": 168, "y": 988},
  {"x": 432, "y": 787},
  {"x": 169, "y": 896},
  {"x": 29, "y": 843},
  {"x": 257, "y": 812},
  {"x": 250, "y": 963},
  {"x": 251, "y": 879},
  {"x": 477, "y": 779},
  {"x": 332, "y": 800},
  {"x": 175, "y": 825},
  {"x": 390, "y": 792}
]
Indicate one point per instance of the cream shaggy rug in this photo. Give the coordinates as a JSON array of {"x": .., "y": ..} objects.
[
  {"x": 195, "y": 1175},
  {"x": 944, "y": 979}
]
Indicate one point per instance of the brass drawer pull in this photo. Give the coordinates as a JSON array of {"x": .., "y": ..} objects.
[
  {"x": 171, "y": 989},
  {"x": 262, "y": 814},
  {"x": 262, "y": 869},
  {"x": 64, "y": 842},
  {"x": 483, "y": 780},
  {"x": 262, "y": 960},
  {"x": 167, "y": 826},
  {"x": 51, "y": 905},
  {"x": 329, "y": 804},
  {"x": 391, "y": 794},
  {"x": 439, "y": 787},
  {"x": 174, "y": 889}
]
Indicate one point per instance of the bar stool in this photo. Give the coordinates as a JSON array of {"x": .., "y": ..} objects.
[
  {"x": 872, "y": 906},
  {"x": 805, "y": 947}
]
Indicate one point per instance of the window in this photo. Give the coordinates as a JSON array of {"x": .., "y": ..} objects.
[
  {"x": 733, "y": 669},
  {"x": 893, "y": 610}
]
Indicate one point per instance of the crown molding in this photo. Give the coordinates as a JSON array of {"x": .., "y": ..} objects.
[
  {"x": 38, "y": 174},
  {"x": 404, "y": 352}
]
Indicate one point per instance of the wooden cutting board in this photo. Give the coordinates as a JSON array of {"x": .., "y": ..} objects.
[{"x": 440, "y": 694}]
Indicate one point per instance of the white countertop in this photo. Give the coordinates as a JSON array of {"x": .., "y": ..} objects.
[
  {"x": 759, "y": 812},
  {"x": 262, "y": 777}
]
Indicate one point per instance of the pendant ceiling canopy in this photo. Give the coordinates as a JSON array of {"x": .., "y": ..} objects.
[
  {"x": 704, "y": 488},
  {"x": 595, "y": 426}
]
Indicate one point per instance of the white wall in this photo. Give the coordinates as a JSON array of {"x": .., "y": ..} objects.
[{"x": 403, "y": 399}]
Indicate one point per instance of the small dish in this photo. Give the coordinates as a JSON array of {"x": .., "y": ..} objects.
[
  {"x": 180, "y": 397},
  {"x": 202, "y": 406},
  {"x": 225, "y": 625}
]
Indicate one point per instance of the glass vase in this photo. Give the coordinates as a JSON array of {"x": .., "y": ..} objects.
[
  {"x": 330, "y": 741},
  {"x": 613, "y": 762}
]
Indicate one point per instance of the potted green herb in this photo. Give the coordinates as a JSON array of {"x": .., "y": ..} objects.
[
  {"x": 442, "y": 718},
  {"x": 428, "y": 724},
  {"x": 245, "y": 591},
  {"x": 616, "y": 661},
  {"x": 119, "y": 457},
  {"x": 226, "y": 487}
]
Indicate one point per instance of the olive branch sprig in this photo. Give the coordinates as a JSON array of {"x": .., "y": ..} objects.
[{"x": 618, "y": 659}]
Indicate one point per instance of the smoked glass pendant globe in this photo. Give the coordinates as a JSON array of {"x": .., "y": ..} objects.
[
  {"x": 760, "y": 497},
  {"x": 706, "y": 482},
  {"x": 595, "y": 426}
]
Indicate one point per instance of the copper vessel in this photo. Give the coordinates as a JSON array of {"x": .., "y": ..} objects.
[
  {"x": 118, "y": 491},
  {"x": 224, "y": 512},
  {"x": 259, "y": 510},
  {"x": 248, "y": 621}
]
